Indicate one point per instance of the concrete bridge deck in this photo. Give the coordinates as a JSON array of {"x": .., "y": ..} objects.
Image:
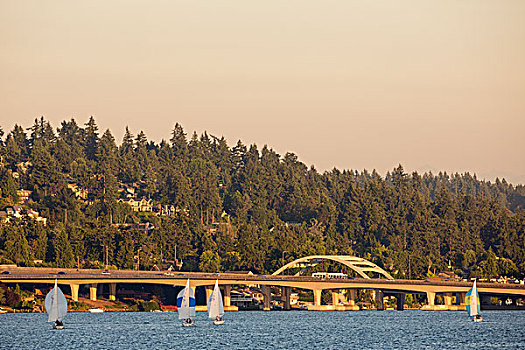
[{"x": 74, "y": 278}]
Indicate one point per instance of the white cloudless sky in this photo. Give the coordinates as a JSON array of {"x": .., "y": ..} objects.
[{"x": 433, "y": 85}]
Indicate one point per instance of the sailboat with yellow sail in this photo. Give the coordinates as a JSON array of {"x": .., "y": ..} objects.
[{"x": 473, "y": 305}]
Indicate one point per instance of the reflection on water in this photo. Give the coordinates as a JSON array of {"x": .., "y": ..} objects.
[{"x": 268, "y": 330}]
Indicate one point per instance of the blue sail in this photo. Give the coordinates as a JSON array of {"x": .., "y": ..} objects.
[
  {"x": 191, "y": 302},
  {"x": 472, "y": 301},
  {"x": 186, "y": 302}
]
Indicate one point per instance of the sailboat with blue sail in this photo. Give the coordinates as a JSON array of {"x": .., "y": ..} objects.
[
  {"x": 186, "y": 305},
  {"x": 473, "y": 305},
  {"x": 215, "y": 305},
  {"x": 56, "y": 307}
]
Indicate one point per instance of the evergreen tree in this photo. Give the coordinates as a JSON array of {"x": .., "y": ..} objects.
[
  {"x": 91, "y": 139},
  {"x": 63, "y": 253},
  {"x": 45, "y": 174}
]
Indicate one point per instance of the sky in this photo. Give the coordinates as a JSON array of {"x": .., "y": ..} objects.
[{"x": 370, "y": 84}]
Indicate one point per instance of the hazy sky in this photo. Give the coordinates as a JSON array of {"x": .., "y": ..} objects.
[{"x": 365, "y": 84}]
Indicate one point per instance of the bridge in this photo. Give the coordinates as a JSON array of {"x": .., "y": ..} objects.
[
  {"x": 359, "y": 265},
  {"x": 343, "y": 290}
]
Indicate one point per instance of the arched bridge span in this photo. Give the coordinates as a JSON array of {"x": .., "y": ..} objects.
[{"x": 359, "y": 265}]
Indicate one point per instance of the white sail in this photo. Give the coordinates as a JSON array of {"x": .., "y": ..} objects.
[
  {"x": 186, "y": 302},
  {"x": 56, "y": 304},
  {"x": 215, "y": 304}
]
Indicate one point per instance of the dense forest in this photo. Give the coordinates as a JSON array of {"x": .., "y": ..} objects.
[{"x": 221, "y": 208}]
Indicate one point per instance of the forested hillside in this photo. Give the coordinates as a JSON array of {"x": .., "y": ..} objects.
[{"x": 71, "y": 195}]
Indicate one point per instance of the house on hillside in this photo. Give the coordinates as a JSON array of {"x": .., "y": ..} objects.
[
  {"x": 165, "y": 210},
  {"x": 79, "y": 192},
  {"x": 23, "y": 195},
  {"x": 147, "y": 226},
  {"x": 12, "y": 213},
  {"x": 142, "y": 205}
]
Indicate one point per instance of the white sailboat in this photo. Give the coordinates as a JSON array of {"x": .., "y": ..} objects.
[
  {"x": 473, "y": 306},
  {"x": 186, "y": 305},
  {"x": 56, "y": 306},
  {"x": 215, "y": 305}
]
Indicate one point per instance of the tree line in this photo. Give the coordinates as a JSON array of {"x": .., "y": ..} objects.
[{"x": 242, "y": 207}]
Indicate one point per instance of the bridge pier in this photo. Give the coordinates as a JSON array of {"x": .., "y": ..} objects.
[
  {"x": 459, "y": 304},
  {"x": 448, "y": 302},
  {"x": 351, "y": 296},
  {"x": 93, "y": 291},
  {"x": 317, "y": 297},
  {"x": 379, "y": 297},
  {"x": 317, "y": 305},
  {"x": 74, "y": 291},
  {"x": 285, "y": 297},
  {"x": 227, "y": 296},
  {"x": 335, "y": 297},
  {"x": 447, "y": 297},
  {"x": 400, "y": 301},
  {"x": 340, "y": 303},
  {"x": 112, "y": 291},
  {"x": 228, "y": 300},
  {"x": 267, "y": 297},
  {"x": 431, "y": 297},
  {"x": 460, "y": 298}
]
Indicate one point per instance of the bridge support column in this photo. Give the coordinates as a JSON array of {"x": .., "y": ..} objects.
[
  {"x": 318, "y": 301},
  {"x": 285, "y": 297},
  {"x": 335, "y": 297},
  {"x": 227, "y": 296},
  {"x": 317, "y": 297},
  {"x": 447, "y": 297},
  {"x": 267, "y": 297},
  {"x": 400, "y": 300},
  {"x": 460, "y": 298},
  {"x": 113, "y": 291},
  {"x": 379, "y": 299},
  {"x": 340, "y": 303},
  {"x": 74, "y": 291},
  {"x": 93, "y": 291},
  {"x": 431, "y": 297},
  {"x": 351, "y": 296},
  {"x": 228, "y": 300}
]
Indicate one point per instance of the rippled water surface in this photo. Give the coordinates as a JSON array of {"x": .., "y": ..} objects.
[{"x": 268, "y": 330}]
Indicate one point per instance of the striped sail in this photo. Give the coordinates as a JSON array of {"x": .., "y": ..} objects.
[
  {"x": 186, "y": 302},
  {"x": 215, "y": 305},
  {"x": 56, "y": 304},
  {"x": 472, "y": 301}
]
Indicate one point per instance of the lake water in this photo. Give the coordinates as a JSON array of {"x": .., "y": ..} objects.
[{"x": 268, "y": 330}]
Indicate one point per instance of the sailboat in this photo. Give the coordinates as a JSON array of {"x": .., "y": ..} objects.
[
  {"x": 215, "y": 305},
  {"x": 472, "y": 301},
  {"x": 56, "y": 306},
  {"x": 186, "y": 305}
]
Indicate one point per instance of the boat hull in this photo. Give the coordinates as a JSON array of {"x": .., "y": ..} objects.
[
  {"x": 217, "y": 323},
  {"x": 185, "y": 324},
  {"x": 96, "y": 311}
]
